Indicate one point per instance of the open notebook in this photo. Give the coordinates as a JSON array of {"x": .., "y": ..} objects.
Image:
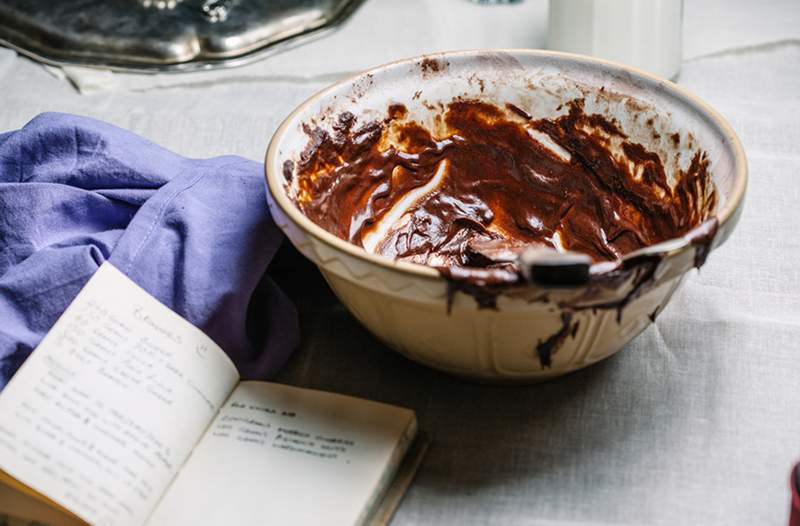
[{"x": 126, "y": 414}]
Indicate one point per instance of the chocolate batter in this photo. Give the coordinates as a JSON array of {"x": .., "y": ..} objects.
[
  {"x": 501, "y": 183},
  {"x": 498, "y": 181}
]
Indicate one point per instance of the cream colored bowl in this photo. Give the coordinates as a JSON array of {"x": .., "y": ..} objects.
[{"x": 405, "y": 305}]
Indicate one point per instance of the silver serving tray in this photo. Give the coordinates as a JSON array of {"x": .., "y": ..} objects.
[{"x": 164, "y": 35}]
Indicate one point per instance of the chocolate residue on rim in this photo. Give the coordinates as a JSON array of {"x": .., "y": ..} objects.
[
  {"x": 432, "y": 65},
  {"x": 288, "y": 170},
  {"x": 483, "y": 284},
  {"x": 638, "y": 273},
  {"x": 702, "y": 239}
]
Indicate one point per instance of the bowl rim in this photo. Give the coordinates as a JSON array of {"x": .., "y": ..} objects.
[{"x": 670, "y": 246}]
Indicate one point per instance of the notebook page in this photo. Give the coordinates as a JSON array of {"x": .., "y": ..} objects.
[
  {"x": 109, "y": 405},
  {"x": 283, "y": 455}
]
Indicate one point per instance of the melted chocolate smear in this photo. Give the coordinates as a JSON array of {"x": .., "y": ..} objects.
[
  {"x": 484, "y": 285},
  {"x": 702, "y": 238},
  {"x": 637, "y": 272},
  {"x": 501, "y": 183},
  {"x": 519, "y": 111},
  {"x": 288, "y": 170},
  {"x": 546, "y": 349}
]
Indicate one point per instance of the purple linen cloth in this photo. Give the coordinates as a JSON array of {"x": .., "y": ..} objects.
[{"x": 196, "y": 234}]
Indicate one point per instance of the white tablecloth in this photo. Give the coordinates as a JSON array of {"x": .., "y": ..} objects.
[{"x": 696, "y": 422}]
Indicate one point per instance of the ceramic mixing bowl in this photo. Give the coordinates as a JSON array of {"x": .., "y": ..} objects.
[{"x": 417, "y": 312}]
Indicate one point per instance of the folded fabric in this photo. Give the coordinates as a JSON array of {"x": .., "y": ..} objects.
[{"x": 196, "y": 234}]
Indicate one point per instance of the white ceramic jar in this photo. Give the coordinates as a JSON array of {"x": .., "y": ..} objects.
[{"x": 645, "y": 34}]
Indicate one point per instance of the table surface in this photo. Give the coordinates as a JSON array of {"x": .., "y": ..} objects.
[{"x": 697, "y": 421}]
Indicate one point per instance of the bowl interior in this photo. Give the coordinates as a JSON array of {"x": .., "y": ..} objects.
[{"x": 650, "y": 111}]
